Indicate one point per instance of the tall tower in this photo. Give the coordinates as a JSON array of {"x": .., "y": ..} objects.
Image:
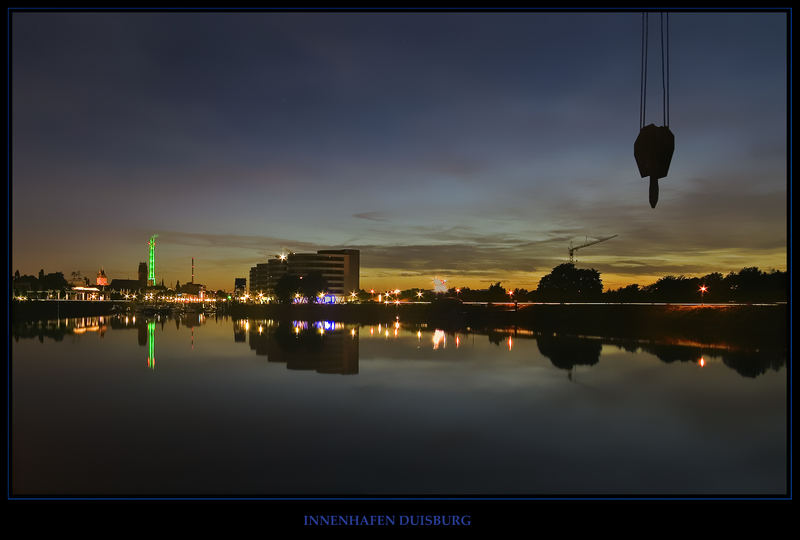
[
  {"x": 142, "y": 274},
  {"x": 192, "y": 269},
  {"x": 151, "y": 267}
]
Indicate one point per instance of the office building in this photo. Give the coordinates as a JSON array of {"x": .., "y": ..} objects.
[
  {"x": 239, "y": 285},
  {"x": 339, "y": 267}
]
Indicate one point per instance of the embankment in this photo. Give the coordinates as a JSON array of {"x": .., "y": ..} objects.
[{"x": 41, "y": 310}]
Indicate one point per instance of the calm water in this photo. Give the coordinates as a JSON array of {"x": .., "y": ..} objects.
[{"x": 113, "y": 406}]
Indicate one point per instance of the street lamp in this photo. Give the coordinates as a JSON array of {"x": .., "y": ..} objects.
[{"x": 703, "y": 290}]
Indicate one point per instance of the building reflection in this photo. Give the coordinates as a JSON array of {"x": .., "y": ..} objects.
[
  {"x": 240, "y": 330},
  {"x": 321, "y": 346},
  {"x": 332, "y": 347},
  {"x": 56, "y": 329}
]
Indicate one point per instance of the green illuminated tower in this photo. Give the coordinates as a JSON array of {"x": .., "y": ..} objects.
[{"x": 151, "y": 269}]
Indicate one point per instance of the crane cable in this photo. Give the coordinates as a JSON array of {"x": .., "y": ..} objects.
[
  {"x": 643, "y": 83},
  {"x": 664, "y": 69}
]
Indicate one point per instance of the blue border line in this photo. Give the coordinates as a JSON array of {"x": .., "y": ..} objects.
[
  {"x": 324, "y": 9},
  {"x": 790, "y": 371},
  {"x": 8, "y": 252},
  {"x": 629, "y": 498}
]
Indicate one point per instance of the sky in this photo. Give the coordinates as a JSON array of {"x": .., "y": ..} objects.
[{"x": 470, "y": 146}]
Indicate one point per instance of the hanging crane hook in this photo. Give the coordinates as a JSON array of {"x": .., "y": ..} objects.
[{"x": 655, "y": 145}]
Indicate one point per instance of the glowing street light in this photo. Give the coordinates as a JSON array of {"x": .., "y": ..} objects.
[{"x": 703, "y": 290}]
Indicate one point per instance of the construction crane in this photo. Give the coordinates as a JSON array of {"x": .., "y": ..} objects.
[{"x": 573, "y": 249}]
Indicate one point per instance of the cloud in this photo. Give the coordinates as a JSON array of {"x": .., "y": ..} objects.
[
  {"x": 372, "y": 216},
  {"x": 256, "y": 242}
]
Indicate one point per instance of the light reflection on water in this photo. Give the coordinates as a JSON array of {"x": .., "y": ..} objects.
[{"x": 503, "y": 411}]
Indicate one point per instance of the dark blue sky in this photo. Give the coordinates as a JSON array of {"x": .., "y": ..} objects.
[{"x": 469, "y": 145}]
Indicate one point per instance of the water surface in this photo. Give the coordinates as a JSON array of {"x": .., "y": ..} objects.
[{"x": 214, "y": 406}]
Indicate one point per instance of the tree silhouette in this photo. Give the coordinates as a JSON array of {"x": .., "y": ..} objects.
[
  {"x": 496, "y": 292},
  {"x": 631, "y": 293},
  {"x": 287, "y": 286},
  {"x": 565, "y": 282},
  {"x": 312, "y": 285},
  {"x": 674, "y": 289}
]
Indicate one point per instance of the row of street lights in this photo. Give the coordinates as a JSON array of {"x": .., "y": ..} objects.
[{"x": 353, "y": 295}]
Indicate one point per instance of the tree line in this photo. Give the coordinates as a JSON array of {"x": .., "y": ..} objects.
[{"x": 567, "y": 283}]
